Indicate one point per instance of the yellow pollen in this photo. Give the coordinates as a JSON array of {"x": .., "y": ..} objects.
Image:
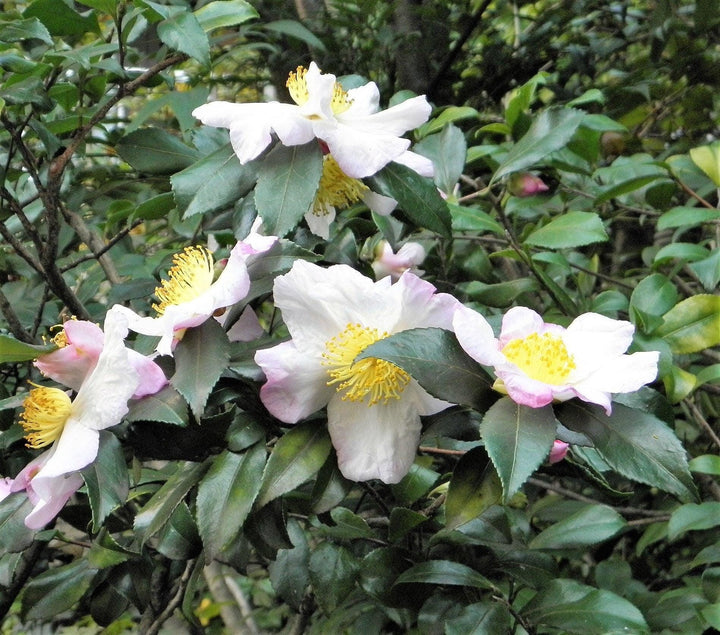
[
  {"x": 297, "y": 86},
  {"x": 44, "y": 417},
  {"x": 60, "y": 339},
  {"x": 190, "y": 276},
  {"x": 336, "y": 188},
  {"x": 542, "y": 357},
  {"x": 375, "y": 377}
]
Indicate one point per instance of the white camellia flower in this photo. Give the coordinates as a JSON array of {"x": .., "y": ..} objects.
[
  {"x": 189, "y": 296},
  {"x": 361, "y": 137},
  {"x": 537, "y": 363},
  {"x": 389, "y": 263},
  {"x": 373, "y": 406},
  {"x": 71, "y": 427}
]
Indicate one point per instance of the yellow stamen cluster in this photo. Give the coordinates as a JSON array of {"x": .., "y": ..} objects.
[
  {"x": 297, "y": 86},
  {"x": 60, "y": 338},
  {"x": 543, "y": 357},
  {"x": 190, "y": 276},
  {"x": 375, "y": 377},
  {"x": 336, "y": 189},
  {"x": 45, "y": 412}
]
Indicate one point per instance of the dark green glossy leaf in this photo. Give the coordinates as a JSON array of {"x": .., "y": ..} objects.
[
  {"x": 182, "y": 32},
  {"x": 588, "y": 526},
  {"x": 434, "y": 358},
  {"x": 402, "y": 522},
  {"x": 444, "y": 572},
  {"x": 635, "y": 444},
  {"x": 473, "y": 219},
  {"x": 106, "y": 479},
  {"x": 157, "y": 511},
  {"x": 28, "y": 29},
  {"x": 14, "y": 535},
  {"x": 296, "y": 457},
  {"x": 178, "y": 539},
  {"x": 287, "y": 182},
  {"x": 297, "y": 30},
  {"x": 693, "y": 517},
  {"x": 200, "y": 358},
  {"x": 267, "y": 529},
  {"x": 289, "y": 573},
  {"x": 573, "y": 229},
  {"x": 155, "y": 151},
  {"x": 167, "y": 406},
  {"x": 415, "y": 484},
  {"x": 447, "y": 151},
  {"x": 56, "y": 590},
  {"x": 333, "y": 572},
  {"x": 472, "y": 489},
  {"x": 378, "y": 571},
  {"x": 60, "y": 19},
  {"x": 12, "y": 350},
  {"x": 550, "y": 131},
  {"x": 482, "y": 618},
  {"x": 224, "y": 13},
  {"x": 687, "y": 217},
  {"x": 215, "y": 182},
  {"x": 577, "y": 608},
  {"x": 348, "y": 526},
  {"x": 417, "y": 197},
  {"x": 225, "y": 496},
  {"x": 517, "y": 439},
  {"x": 500, "y": 294}
]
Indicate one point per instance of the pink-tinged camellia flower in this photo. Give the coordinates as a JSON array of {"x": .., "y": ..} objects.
[
  {"x": 373, "y": 406},
  {"x": 361, "y": 137},
  {"x": 189, "y": 296},
  {"x": 523, "y": 184},
  {"x": 71, "y": 427},
  {"x": 558, "y": 451},
  {"x": 536, "y": 362},
  {"x": 389, "y": 263},
  {"x": 80, "y": 344}
]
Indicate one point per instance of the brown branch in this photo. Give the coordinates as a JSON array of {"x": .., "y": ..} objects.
[
  {"x": 94, "y": 243},
  {"x": 14, "y": 324},
  {"x": 174, "y": 602}
]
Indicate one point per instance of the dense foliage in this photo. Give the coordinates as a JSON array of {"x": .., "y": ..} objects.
[{"x": 576, "y": 155}]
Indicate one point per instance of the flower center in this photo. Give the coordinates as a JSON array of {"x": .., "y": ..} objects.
[
  {"x": 189, "y": 277},
  {"x": 542, "y": 357},
  {"x": 375, "y": 377},
  {"x": 44, "y": 417},
  {"x": 297, "y": 86},
  {"x": 337, "y": 189}
]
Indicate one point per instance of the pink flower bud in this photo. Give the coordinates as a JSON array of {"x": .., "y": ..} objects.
[
  {"x": 558, "y": 452},
  {"x": 524, "y": 184}
]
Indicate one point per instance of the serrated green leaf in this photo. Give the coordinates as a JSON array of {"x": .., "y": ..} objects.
[
  {"x": 707, "y": 158},
  {"x": 625, "y": 187},
  {"x": 178, "y": 539},
  {"x": 447, "y": 151},
  {"x": 167, "y": 406},
  {"x": 289, "y": 573},
  {"x": 434, "y": 358},
  {"x": 578, "y": 608},
  {"x": 635, "y": 444},
  {"x": 471, "y": 490},
  {"x": 517, "y": 439},
  {"x": 550, "y": 131},
  {"x": 155, "y": 151},
  {"x": 573, "y": 229},
  {"x": 481, "y": 618},
  {"x": 14, "y": 535},
  {"x": 200, "y": 359},
  {"x": 473, "y": 219},
  {"x": 333, "y": 572},
  {"x": 692, "y": 325},
  {"x": 693, "y": 517},
  {"x": 56, "y": 590},
  {"x": 225, "y": 496},
  {"x": 216, "y": 182},
  {"x": 417, "y": 197},
  {"x": 287, "y": 181},
  {"x": 687, "y": 217},
  {"x": 12, "y": 350},
  {"x": 224, "y": 13},
  {"x": 588, "y": 526},
  {"x": 444, "y": 572},
  {"x": 705, "y": 464},
  {"x": 182, "y": 32},
  {"x": 106, "y": 479},
  {"x": 296, "y": 457},
  {"x": 402, "y": 522},
  {"x": 60, "y": 19}
]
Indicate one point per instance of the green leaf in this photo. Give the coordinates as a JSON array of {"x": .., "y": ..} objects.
[
  {"x": 287, "y": 182},
  {"x": 693, "y": 517},
  {"x": 415, "y": 484},
  {"x": 106, "y": 479},
  {"x": 402, "y": 522},
  {"x": 687, "y": 217},
  {"x": 434, "y": 358},
  {"x": 378, "y": 571},
  {"x": 625, "y": 187},
  {"x": 652, "y": 297},
  {"x": 481, "y": 618},
  {"x": 689, "y": 252},
  {"x": 444, "y": 572},
  {"x": 296, "y": 30},
  {"x": 155, "y": 151},
  {"x": 707, "y": 158},
  {"x": 692, "y": 325},
  {"x": 550, "y": 131},
  {"x": 182, "y": 32},
  {"x": 635, "y": 444},
  {"x": 517, "y": 439},
  {"x": 573, "y": 229},
  {"x": 448, "y": 115},
  {"x": 60, "y": 19},
  {"x": 28, "y": 29},
  {"x": 179, "y": 539},
  {"x": 447, "y": 151},
  {"x": 333, "y": 572},
  {"x": 225, "y": 496},
  {"x": 473, "y": 219},
  {"x": 166, "y": 406},
  {"x": 14, "y": 535},
  {"x": 224, "y": 13},
  {"x": 417, "y": 197},
  {"x": 12, "y": 350},
  {"x": 588, "y": 526},
  {"x": 706, "y": 464},
  {"x": 348, "y": 526},
  {"x": 200, "y": 358},
  {"x": 55, "y": 591},
  {"x": 577, "y": 608},
  {"x": 216, "y": 182},
  {"x": 296, "y": 457},
  {"x": 157, "y": 511},
  {"x": 500, "y": 294},
  {"x": 289, "y": 574},
  {"x": 471, "y": 490}
]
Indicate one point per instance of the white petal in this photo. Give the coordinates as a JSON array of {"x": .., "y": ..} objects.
[
  {"x": 76, "y": 448},
  {"x": 420, "y": 164},
  {"x": 625, "y": 373},
  {"x": 378, "y": 203},
  {"x": 393, "y": 121},
  {"x": 592, "y": 339},
  {"x": 525, "y": 390},
  {"x": 59, "y": 490},
  {"x": 420, "y": 306},
  {"x": 476, "y": 336},
  {"x": 296, "y": 383},
  {"x": 320, "y": 88},
  {"x": 377, "y": 441},
  {"x": 319, "y": 224},
  {"x": 364, "y": 101},
  {"x": 246, "y": 328},
  {"x": 518, "y": 323}
]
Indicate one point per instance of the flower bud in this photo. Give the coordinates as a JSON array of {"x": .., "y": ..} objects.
[
  {"x": 558, "y": 451},
  {"x": 524, "y": 184}
]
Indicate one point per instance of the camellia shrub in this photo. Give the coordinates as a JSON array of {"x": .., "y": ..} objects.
[{"x": 312, "y": 358}]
